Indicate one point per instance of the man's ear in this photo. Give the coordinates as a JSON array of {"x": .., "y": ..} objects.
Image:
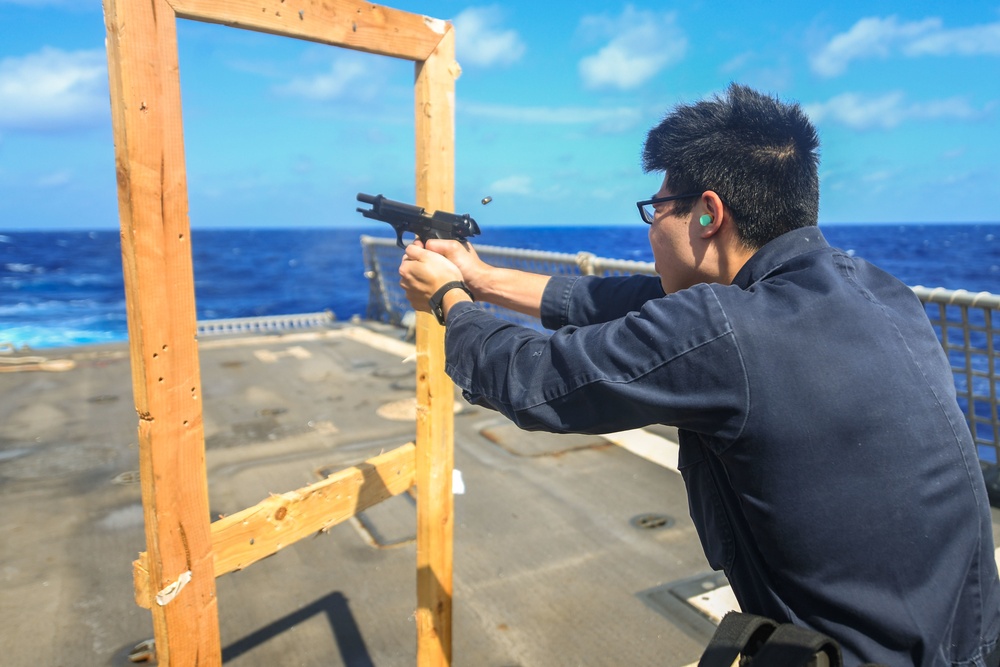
[{"x": 711, "y": 214}]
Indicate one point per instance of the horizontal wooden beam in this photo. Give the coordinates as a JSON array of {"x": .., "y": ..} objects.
[
  {"x": 274, "y": 523},
  {"x": 352, "y": 24}
]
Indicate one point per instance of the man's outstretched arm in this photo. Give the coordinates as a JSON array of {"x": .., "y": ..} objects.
[{"x": 520, "y": 291}]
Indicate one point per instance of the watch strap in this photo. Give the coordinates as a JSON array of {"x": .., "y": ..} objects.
[{"x": 437, "y": 300}]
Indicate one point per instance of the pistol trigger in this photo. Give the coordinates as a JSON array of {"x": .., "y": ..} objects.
[{"x": 399, "y": 238}]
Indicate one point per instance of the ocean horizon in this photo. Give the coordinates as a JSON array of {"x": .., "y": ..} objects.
[{"x": 65, "y": 287}]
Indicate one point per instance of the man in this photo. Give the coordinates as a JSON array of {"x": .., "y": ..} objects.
[{"x": 830, "y": 472}]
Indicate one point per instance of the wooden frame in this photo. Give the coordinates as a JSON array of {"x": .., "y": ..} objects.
[{"x": 175, "y": 578}]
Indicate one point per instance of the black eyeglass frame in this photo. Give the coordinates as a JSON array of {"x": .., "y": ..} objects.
[{"x": 659, "y": 200}]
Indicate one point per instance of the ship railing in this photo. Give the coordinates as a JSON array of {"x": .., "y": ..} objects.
[
  {"x": 963, "y": 321},
  {"x": 265, "y": 324}
]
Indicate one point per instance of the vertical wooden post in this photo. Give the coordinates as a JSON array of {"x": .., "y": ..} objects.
[
  {"x": 159, "y": 286},
  {"x": 435, "y": 171}
]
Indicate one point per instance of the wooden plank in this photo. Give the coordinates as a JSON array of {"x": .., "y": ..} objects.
[
  {"x": 435, "y": 171},
  {"x": 353, "y": 24},
  {"x": 159, "y": 289},
  {"x": 276, "y": 522},
  {"x": 272, "y": 524}
]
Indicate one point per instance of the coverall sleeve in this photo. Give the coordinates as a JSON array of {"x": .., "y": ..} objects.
[
  {"x": 581, "y": 300},
  {"x": 674, "y": 361}
]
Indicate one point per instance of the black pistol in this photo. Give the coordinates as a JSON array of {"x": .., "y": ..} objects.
[{"x": 414, "y": 219}]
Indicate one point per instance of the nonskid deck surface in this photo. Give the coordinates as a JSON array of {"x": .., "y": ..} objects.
[{"x": 569, "y": 550}]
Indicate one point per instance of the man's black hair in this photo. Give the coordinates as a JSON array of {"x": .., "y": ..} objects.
[{"x": 760, "y": 155}]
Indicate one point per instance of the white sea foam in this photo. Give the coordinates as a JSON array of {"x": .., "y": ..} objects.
[
  {"x": 50, "y": 308},
  {"x": 85, "y": 279},
  {"x": 40, "y": 337},
  {"x": 15, "y": 267}
]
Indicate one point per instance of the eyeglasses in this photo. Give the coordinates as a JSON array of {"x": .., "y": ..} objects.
[{"x": 647, "y": 210}]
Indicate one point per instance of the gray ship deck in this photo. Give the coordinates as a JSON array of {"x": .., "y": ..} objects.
[
  {"x": 553, "y": 562},
  {"x": 569, "y": 550}
]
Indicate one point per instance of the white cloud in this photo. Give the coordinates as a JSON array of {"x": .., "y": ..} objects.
[
  {"x": 738, "y": 62},
  {"x": 642, "y": 44},
  {"x": 54, "y": 90},
  {"x": 56, "y": 179},
  {"x": 876, "y": 37},
  {"x": 346, "y": 75},
  {"x": 887, "y": 111},
  {"x": 879, "y": 176},
  {"x": 977, "y": 40},
  {"x": 876, "y": 182},
  {"x": 610, "y": 120},
  {"x": 512, "y": 185},
  {"x": 72, "y": 4},
  {"x": 480, "y": 41}
]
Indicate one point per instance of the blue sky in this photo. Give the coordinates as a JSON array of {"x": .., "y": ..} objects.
[{"x": 553, "y": 105}]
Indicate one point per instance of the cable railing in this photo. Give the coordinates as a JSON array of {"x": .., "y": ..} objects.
[
  {"x": 265, "y": 323},
  {"x": 963, "y": 321}
]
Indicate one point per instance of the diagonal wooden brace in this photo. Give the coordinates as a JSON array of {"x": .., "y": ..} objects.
[{"x": 282, "y": 519}]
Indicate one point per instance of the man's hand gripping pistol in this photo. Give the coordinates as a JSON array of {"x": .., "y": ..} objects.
[{"x": 414, "y": 219}]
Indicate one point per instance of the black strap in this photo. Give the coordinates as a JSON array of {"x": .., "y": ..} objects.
[
  {"x": 791, "y": 645},
  {"x": 762, "y": 642},
  {"x": 438, "y": 297},
  {"x": 737, "y": 634}
]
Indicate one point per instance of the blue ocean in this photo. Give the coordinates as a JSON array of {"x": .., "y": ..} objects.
[{"x": 63, "y": 288}]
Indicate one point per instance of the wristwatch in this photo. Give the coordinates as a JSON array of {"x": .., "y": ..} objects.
[{"x": 435, "y": 301}]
